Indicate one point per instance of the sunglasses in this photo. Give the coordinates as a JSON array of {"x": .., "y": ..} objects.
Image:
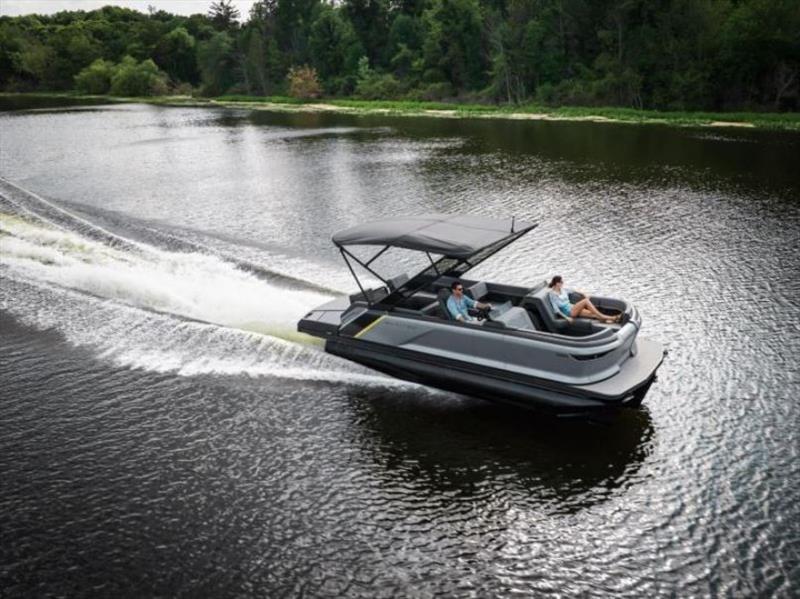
[{"x": 459, "y": 289}]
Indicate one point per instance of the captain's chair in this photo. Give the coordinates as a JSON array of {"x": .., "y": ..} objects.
[{"x": 442, "y": 296}]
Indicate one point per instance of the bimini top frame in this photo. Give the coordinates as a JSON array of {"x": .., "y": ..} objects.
[{"x": 462, "y": 241}]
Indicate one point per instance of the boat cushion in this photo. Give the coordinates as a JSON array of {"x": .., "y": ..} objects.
[
  {"x": 538, "y": 296},
  {"x": 397, "y": 281},
  {"x": 370, "y": 295},
  {"x": 553, "y": 322},
  {"x": 442, "y": 297},
  {"x": 478, "y": 291},
  {"x": 426, "y": 295},
  {"x": 431, "y": 309},
  {"x": 538, "y": 287},
  {"x": 516, "y": 318}
]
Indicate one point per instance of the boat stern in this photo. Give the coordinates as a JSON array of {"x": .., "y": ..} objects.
[
  {"x": 323, "y": 321},
  {"x": 629, "y": 386}
]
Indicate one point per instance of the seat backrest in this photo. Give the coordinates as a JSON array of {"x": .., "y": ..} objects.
[
  {"x": 538, "y": 287},
  {"x": 539, "y": 297},
  {"x": 478, "y": 291},
  {"x": 370, "y": 295},
  {"x": 442, "y": 296},
  {"x": 397, "y": 281},
  {"x": 431, "y": 309}
]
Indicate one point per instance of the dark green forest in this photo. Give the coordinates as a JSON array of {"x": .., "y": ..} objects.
[{"x": 651, "y": 54}]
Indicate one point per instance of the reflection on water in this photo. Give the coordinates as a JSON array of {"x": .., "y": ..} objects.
[
  {"x": 601, "y": 151},
  {"x": 443, "y": 444},
  {"x": 43, "y": 103},
  {"x": 153, "y": 261}
]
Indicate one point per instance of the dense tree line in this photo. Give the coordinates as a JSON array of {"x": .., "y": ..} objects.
[{"x": 669, "y": 54}]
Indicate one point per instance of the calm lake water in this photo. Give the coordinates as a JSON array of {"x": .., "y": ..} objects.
[{"x": 164, "y": 431}]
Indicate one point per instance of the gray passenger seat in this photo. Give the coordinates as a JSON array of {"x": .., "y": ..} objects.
[
  {"x": 553, "y": 322},
  {"x": 511, "y": 316},
  {"x": 370, "y": 295},
  {"x": 516, "y": 318},
  {"x": 477, "y": 291},
  {"x": 396, "y": 282}
]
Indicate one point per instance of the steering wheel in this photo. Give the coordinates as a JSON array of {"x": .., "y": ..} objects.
[{"x": 484, "y": 314}]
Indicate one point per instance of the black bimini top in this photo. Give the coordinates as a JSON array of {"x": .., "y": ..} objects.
[{"x": 455, "y": 236}]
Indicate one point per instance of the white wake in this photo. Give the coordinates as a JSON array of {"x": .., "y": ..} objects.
[
  {"x": 143, "y": 307},
  {"x": 197, "y": 286}
]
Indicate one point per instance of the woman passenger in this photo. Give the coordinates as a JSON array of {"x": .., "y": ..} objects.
[{"x": 559, "y": 299}]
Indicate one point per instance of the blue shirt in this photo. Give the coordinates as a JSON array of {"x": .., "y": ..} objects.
[
  {"x": 560, "y": 301},
  {"x": 459, "y": 307}
]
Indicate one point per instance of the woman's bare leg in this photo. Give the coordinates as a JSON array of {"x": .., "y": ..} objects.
[
  {"x": 606, "y": 317},
  {"x": 582, "y": 305},
  {"x": 585, "y": 305}
]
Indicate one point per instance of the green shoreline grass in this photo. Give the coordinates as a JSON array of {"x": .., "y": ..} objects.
[{"x": 760, "y": 120}]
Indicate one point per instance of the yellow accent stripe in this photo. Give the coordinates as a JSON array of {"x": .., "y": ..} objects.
[{"x": 367, "y": 328}]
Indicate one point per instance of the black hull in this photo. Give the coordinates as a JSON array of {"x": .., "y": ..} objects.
[{"x": 487, "y": 383}]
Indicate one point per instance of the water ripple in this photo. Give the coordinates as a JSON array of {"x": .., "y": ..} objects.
[{"x": 151, "y": 444}]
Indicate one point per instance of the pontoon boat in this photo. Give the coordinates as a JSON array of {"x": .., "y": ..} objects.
[{"x": 521, "y": 352}]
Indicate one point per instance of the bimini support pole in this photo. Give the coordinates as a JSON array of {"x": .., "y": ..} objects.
[
  {"x": 436, "y": 268},
  {"x": 345, "y": 253},
  {"x": 352, "y": 272},
  {"x": 376, "y": 256},
  {"x": 365, "y": 267}
]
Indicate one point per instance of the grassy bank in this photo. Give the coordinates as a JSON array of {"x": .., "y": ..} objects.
[{"x": 760, "y": 120}]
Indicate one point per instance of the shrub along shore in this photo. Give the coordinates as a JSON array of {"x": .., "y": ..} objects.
[{"x": 758, "y": 120}]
